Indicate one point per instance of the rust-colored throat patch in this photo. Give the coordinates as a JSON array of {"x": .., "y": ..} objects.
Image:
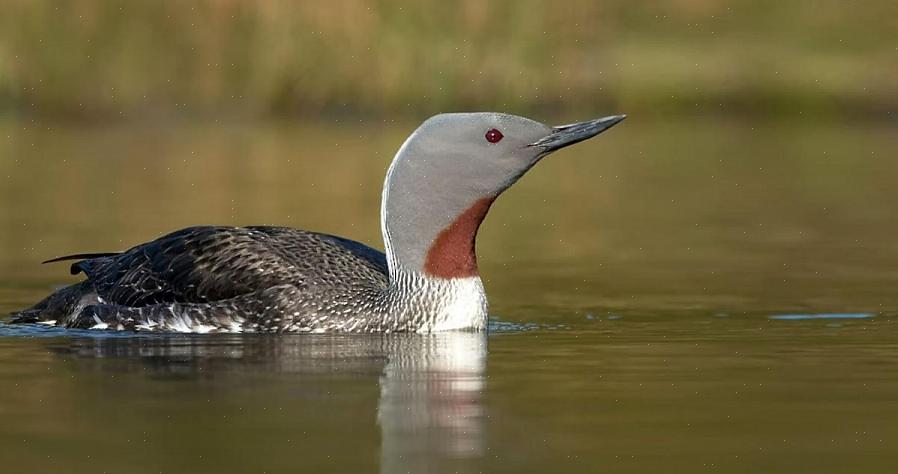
[{"x": 452, "y": 253}]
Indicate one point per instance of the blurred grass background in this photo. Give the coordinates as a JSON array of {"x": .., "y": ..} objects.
[{"x": 113, "y": 60}]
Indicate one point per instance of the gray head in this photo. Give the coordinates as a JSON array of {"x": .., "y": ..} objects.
[{"x": 446, "y": 175}]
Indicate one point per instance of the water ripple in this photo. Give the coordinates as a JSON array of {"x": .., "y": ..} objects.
[{"x": 801, "y": 317}]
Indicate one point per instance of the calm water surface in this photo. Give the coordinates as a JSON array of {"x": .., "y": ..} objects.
[{"x": 702, "y": 296}]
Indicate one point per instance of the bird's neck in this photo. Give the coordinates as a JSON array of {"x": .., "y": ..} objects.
[
  {"x": 431, "y": 232},
  {"x": 452, "y": 253}
]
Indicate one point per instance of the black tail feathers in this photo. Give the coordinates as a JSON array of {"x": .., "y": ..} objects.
[{"x": 81, "y": 256}]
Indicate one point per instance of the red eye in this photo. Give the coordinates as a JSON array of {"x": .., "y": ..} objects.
[{"x": 493, "y": 136}]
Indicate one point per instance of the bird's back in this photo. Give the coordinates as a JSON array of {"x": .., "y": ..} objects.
[{"x": 207, "y": 264}]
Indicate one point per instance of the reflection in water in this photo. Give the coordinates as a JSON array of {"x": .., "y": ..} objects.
[
  {"x": 430, "y": 401},
  {"x": 429, "y": 408}
]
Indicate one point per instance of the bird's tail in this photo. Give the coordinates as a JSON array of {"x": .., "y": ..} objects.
[{"x": 81, "y": 256}]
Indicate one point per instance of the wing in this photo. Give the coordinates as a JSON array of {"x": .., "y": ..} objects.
[{"x": 202, "y": 264}]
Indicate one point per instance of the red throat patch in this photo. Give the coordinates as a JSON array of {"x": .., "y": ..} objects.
[{"x": 452, "y": 253}]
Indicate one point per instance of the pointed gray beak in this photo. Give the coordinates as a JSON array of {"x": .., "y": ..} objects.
[{"x": 564, "y": 135}]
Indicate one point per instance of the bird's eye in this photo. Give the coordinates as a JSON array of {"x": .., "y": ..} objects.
[{"x": 493, "y": 135}]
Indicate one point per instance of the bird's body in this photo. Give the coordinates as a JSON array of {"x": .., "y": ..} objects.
[
  {"x": 276, "y": 279},
  {"x": 250, "y": 279}
]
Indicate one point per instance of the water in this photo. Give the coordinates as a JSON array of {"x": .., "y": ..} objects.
[{"x": 672, "y": 296}]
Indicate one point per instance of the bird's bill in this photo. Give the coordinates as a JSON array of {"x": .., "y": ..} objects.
[{"x": 564, "y": 135}]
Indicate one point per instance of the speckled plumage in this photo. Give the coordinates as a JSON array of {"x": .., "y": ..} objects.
[{"x": 238, "y": 279}]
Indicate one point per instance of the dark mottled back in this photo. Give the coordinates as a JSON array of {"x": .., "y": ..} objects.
[{"x": 201, "y": 264}]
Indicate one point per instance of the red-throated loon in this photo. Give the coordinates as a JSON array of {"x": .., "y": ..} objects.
[{"x": 273, "y": 279}]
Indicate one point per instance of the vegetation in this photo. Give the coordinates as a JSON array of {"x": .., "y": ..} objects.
[{"x": 115, "y": 58}]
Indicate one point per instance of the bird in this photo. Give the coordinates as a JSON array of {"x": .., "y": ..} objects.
[{"x": 210, "y": 279}]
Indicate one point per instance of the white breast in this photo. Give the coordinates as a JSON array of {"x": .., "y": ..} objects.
[{"x": 463, "y": 305}]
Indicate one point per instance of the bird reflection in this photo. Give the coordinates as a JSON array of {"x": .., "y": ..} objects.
[
  {"x": 430, "y": 401},
  {"x": 430, "y": 405}
]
